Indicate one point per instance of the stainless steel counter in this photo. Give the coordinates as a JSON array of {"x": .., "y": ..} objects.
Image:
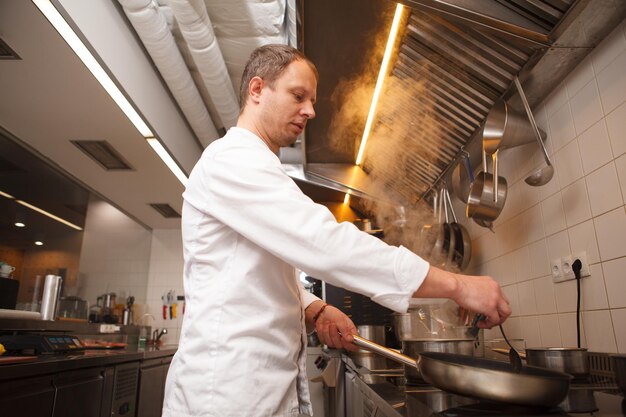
[{"x": 48, "y": 364}]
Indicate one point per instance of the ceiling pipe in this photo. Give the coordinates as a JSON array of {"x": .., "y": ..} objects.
[
  {"x": 195, "y": 25},
  {"x": 152, "y": 28}
]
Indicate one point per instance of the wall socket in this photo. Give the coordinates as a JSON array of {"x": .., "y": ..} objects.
[{"x": 561, "y": 268}]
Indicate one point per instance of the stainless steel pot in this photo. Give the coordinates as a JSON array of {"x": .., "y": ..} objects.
[
  {"x": 574, "y": 361},
  {"x": 483, "y": 378},
  {"x": 414, "y": 348}
]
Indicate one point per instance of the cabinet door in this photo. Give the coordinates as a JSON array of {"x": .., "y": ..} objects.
[
  {"x": 79, "y": 393},
  {"x": 32, "y": 397},
  {"x": 151, "y": 389}
]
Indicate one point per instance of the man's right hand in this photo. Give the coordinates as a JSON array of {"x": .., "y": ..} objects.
[{"x": 480, "y": 294}]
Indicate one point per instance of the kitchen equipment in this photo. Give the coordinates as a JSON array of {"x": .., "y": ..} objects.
[
  {"x": 41, "y": 343},
  {"x": 514, "y": 358},
  {"x": 108, "y": 308},
  {"x": 73, "y": 307},
  {"x": 50, "y": 297},
  {"x": 482, "y": 378},
  {"x": 574, "y": 361},
  {"x": 462, "y": 178},
  {"x": 8, "y": 293},
  {"x": 486, "y": 199},
  {"x": 543, "y": 175},
  {"x": 463, "y": 246},
  {"x": 414, "y": 348},
  {"x": 364, "y": 357},
  {"x": 128, "y": 311},
  {"x": 430, "y": 319},
  {"x": 618, "y": 362}
]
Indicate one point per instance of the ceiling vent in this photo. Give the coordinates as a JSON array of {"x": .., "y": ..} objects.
[
  {"x": 104, "y": 154},
  {"x": 165, "y": 210},
  {"x": 6, "y": 52}
]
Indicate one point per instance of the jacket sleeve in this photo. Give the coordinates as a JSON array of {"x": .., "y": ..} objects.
[{"x": 247, "y": 190}]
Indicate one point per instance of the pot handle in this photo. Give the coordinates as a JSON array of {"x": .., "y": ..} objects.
[
  {"x": 494, "y": 158},
  {"x": 383, "y": 351}
]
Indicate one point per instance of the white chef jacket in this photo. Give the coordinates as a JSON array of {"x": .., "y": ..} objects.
[{"x": 245, "y": 226}]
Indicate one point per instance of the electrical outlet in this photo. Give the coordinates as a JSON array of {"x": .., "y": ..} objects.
[
  {"x": 582, "y": 256},
  {"x": 566, "y": 268},
  {"x": 555, "y": 267}
]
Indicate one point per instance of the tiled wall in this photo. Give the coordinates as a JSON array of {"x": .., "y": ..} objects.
[
  {"x": 165, "y": 274},
  {"x": 115, "y": 255},
  {"x": 581, "y": 209}
]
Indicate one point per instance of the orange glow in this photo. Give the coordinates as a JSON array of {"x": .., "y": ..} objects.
[{"x": 379, "y": 83}]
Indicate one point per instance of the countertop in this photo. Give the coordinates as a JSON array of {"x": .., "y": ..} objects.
[{"x": 49, "y": 364}]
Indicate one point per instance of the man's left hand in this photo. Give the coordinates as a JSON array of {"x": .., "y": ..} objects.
[{"x": 334, "y": 328}]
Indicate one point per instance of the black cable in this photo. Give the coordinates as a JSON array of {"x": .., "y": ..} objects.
[{"x": 576, "y": 267}]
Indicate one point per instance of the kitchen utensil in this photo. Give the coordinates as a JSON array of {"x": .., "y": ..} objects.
[
  {"x": 449, "y": 243},
  {"x": 462, "y": 178},
  {"x": 482, "y": 203},
  {"x": 51, "y": 289},
  {"x": 463, "y": 246},
  {"x": 574, "y": 361},
  {"x": 543, "y": 175},
  {"x": 414, "y": 348},
  {"x": 482, "y": 378},
  {"x": 514, "y": 358},
  {"x": 73, "y": 307},
  {"x": 429, "y": 233},
  {"x": 618, "y": 363}
]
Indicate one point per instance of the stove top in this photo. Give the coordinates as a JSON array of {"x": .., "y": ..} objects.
[{"x": 583, "y": 399}]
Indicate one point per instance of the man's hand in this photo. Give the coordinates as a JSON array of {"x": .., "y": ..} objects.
[
  {"x": 333, "y": 327},
  {"x": 480, "y": 294}
]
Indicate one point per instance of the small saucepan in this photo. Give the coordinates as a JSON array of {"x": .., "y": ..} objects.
[
  {"x": 482, "y": 378},
  {"x": 487, "y": 193},
  {"x": 574, "y": 361}
]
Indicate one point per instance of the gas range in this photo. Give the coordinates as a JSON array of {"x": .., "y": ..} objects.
[{"x": 391, "y": 397}]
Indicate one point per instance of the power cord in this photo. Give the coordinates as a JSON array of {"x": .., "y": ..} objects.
[{"x": 576, "y": 267}]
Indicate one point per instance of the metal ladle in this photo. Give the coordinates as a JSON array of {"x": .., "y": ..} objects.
[
  {"x": 514, "y": 358},
  {"x": 543, "y": 175}
]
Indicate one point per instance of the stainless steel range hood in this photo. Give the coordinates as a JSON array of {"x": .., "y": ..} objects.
[{"x": 454, "y": 60}]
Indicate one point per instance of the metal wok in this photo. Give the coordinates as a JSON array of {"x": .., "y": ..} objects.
[{"x": 482, "y": 378}]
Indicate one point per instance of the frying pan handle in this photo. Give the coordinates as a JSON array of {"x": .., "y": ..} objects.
[{"x": 383, "y": 351}]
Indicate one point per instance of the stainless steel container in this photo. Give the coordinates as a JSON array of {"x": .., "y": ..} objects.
[
  {"x": 413, "y": 348},
  {"x": 51, "y": 289},
  {"x": 574, "y": 361}
]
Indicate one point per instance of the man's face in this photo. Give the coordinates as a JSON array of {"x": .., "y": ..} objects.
[{"x": 287, "y": 106}]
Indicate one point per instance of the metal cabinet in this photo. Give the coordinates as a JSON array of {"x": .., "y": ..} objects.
[
  {"x": 33, "y": 397},
  {"x": 79, "y": 393},
  {"x": 152, "y": 377}
]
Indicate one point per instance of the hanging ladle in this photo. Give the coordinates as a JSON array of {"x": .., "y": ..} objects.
[{"x": 543, "y": 175}]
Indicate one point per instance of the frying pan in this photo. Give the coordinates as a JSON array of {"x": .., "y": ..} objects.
[
  {"x": 463, "y": 246},
  {"x": 482, "y": 378}
]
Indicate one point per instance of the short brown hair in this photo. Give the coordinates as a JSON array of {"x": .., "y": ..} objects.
[{"x": 269, "y": 62}]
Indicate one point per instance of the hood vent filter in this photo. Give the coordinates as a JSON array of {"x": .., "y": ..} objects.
[
  {"x": 6, "y": 52},
  {"x": 104, "y": 154},
  {"x": 165, "y": 210}
]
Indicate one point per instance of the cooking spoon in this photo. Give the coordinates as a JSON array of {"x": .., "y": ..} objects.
[
  {"x": 514, "y": 357},
  {"x": 543, "y": 175}
]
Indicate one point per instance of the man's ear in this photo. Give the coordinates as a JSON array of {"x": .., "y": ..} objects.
[{"x": 255, "y": 88}]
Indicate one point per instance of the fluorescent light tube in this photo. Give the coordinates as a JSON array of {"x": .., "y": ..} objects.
[
  {"x": 45, "y": 213},
  {"x": 379, "y": 83},
  {"x": 169, "y": 161},
  {"x": 59, "y": 23}
]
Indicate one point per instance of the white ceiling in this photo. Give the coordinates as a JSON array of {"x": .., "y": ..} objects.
[{"x": 50, "y": 98}]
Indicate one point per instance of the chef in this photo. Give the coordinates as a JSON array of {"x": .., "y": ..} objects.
[{"x": 245, "y": 226}]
